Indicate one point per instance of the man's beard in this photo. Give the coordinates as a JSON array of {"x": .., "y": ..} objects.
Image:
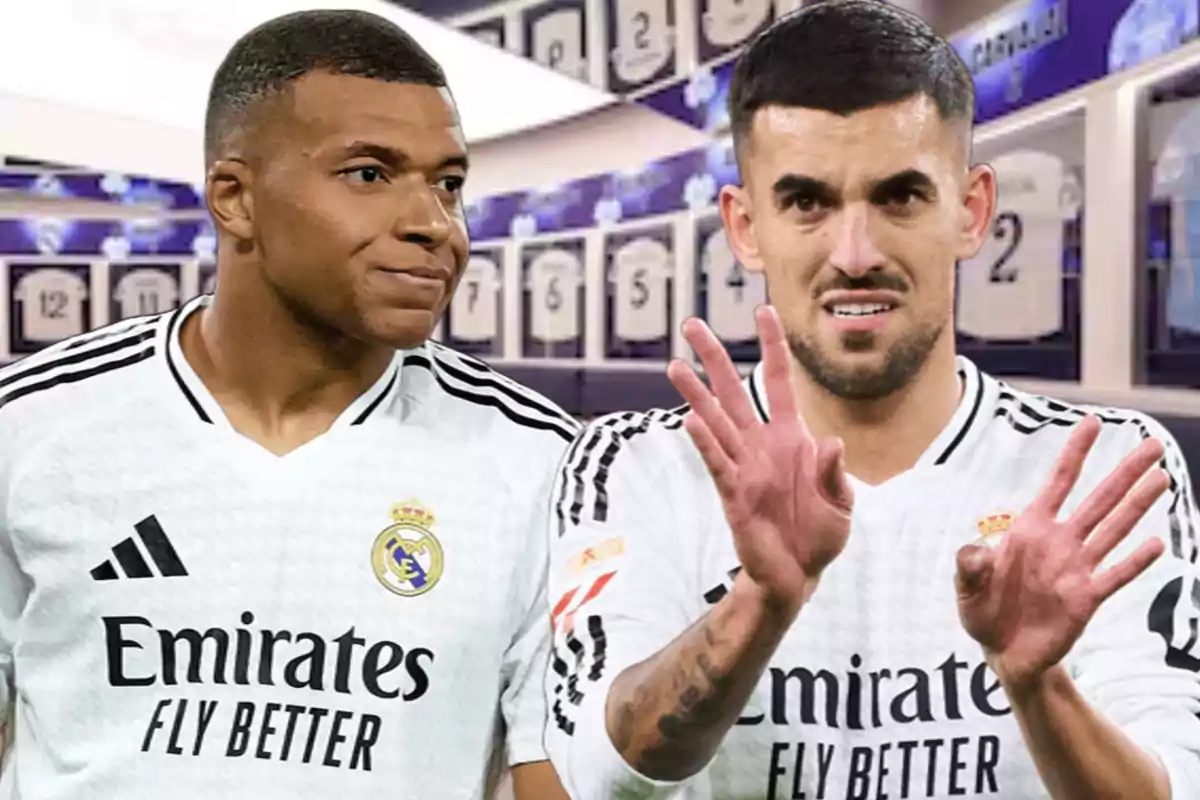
[{"x": 901, "y": 365}]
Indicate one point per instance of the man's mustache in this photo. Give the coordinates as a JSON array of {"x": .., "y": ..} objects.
[{"x": 871, "y": 282}]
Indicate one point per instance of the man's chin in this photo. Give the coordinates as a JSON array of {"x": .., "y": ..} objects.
[
  {"x": 854, "y": 346},
  {"x": 858, "y": 370},
  {"x": 402, "y": 328},
  {"x": 860, "y": 382}
]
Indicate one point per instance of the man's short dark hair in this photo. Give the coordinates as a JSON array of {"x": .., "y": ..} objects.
[
  {"x": 281, "y": 50},
  {"x": 845, "y": 56}
]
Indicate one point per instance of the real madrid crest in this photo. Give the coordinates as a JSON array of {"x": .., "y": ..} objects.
[
  {"x": 992, "y": 529},
  {"x": 406, "y": 556}
]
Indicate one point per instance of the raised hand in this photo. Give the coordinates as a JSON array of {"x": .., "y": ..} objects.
[
  {"x": 1028, "y": 601},
  {"x": 785, "y": 492}
]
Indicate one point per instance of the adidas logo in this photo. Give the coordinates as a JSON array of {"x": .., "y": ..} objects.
[
  {"x": 715, "y": 594},
  {"x": 129, "y": 557}
]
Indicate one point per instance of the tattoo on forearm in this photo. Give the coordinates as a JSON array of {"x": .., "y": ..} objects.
[
  {"x": 627, "y": 718},
  {"x": 697, "y": 700}
]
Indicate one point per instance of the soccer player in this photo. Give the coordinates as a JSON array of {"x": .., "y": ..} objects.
[
  {"x": 277, "y": 543},
  {"x": 871, "y": 570}
]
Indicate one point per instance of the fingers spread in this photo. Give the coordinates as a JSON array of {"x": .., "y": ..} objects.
[
  {"x": 726, "y": 383},
  {"x": 720, "y": 466},
  {"x": 1127, "y": 515},
  {"x": 777, "y": 359},
  {"x": 706, "y": 407},
  {"x": 1113, "y": 489},
  {"x": 1108, "y": 583},
  {"x": 1066, "y": 470}
]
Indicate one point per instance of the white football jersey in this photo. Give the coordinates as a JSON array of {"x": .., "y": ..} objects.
[
  {"x": 733, "y": 292},
  {"x": 142, "y": 292},
  {"x": 473, "y": 316},
  {"x": 1012, "y": 289},
  {"x": 639, "y": 273},
  {"x": 553, "y": 281},
  {"x": 730, "y": 22},
  {"x": 557, "y": 42},
  {"x": 643, "y": 39},
  {"x": 184, "y": 614},
  {"x": 1177, "y": 181},
  {"x": 1151, "y": 28},
  {"x": 877, "y": 690},
  {"x": 51, "y": 304},
  {"x": 1183, "y": 291}
]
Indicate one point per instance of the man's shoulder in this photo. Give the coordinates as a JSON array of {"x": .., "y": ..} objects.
[
  {"x": 1030, "y": 422},
  {"x": 645, "y": 445},
  {"x": 652, "y": 430},
  {"x": 633, "y": 474},
  {"x": 83, "y": 373},
  {"x": 477, "y": 399}
]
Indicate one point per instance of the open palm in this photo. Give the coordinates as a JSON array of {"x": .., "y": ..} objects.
[
  {"x": 784, "y": 492},
  {"x": 1028, "y": 601}
]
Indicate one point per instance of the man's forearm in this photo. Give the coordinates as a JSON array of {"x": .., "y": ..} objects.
[
  {"x": 1080, "y": 754},
  {"x": 668, "y": 714},
  {"x": 536, "y": 781}
]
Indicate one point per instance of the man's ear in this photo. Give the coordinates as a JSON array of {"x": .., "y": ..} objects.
[
  {"x": 978, "y": 210},
  {"x": 737, "y": 212},
  {"x": 229, "y": 192}
]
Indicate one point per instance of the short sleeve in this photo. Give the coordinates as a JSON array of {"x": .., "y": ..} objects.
[
  {"x": 10, "y": 610},
  {"x": 13, "y": 591},
  {"x": 617, "y": 590},
  {"x": 1138, "y": 662},
  {"x": 523, "y": 700}
]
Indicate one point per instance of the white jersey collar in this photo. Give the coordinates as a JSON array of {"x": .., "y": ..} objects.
[
  {"x": 969, "y": 417},
  {"x": 206, "y": 408}
]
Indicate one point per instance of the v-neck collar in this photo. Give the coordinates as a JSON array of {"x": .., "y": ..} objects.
[
  {"x": 207, "y": 410},
  {"x": 965, "y": 421}
]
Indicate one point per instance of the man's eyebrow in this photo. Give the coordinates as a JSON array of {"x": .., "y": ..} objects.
[
  {"x": 911, "y": 180},
  {"x": 794, "y": 184},
  {"x": 396, "y": 158}
]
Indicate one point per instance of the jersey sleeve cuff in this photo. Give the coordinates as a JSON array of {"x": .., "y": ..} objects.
[
  {"x": 1183, "y": 771},
  {"x": 526, "y": 750},
  {"x": 1181, "y": 763},
  {"x": 608, "y": 774},
  {"x": 5, "y": 694}
]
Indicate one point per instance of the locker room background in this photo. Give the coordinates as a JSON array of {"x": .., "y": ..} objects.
[{"x": 594, "y": 236}]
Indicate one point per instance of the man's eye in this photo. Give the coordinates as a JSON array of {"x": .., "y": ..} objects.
[
  {"x": 365, "y": 174},
  {"x": 902, "y": 198},
  {"x": 806, "y": 204}
]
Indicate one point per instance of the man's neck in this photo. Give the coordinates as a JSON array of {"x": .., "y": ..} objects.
[
  {"x": 279, "y": 381},
  {"x": 886, "y": 437}
]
